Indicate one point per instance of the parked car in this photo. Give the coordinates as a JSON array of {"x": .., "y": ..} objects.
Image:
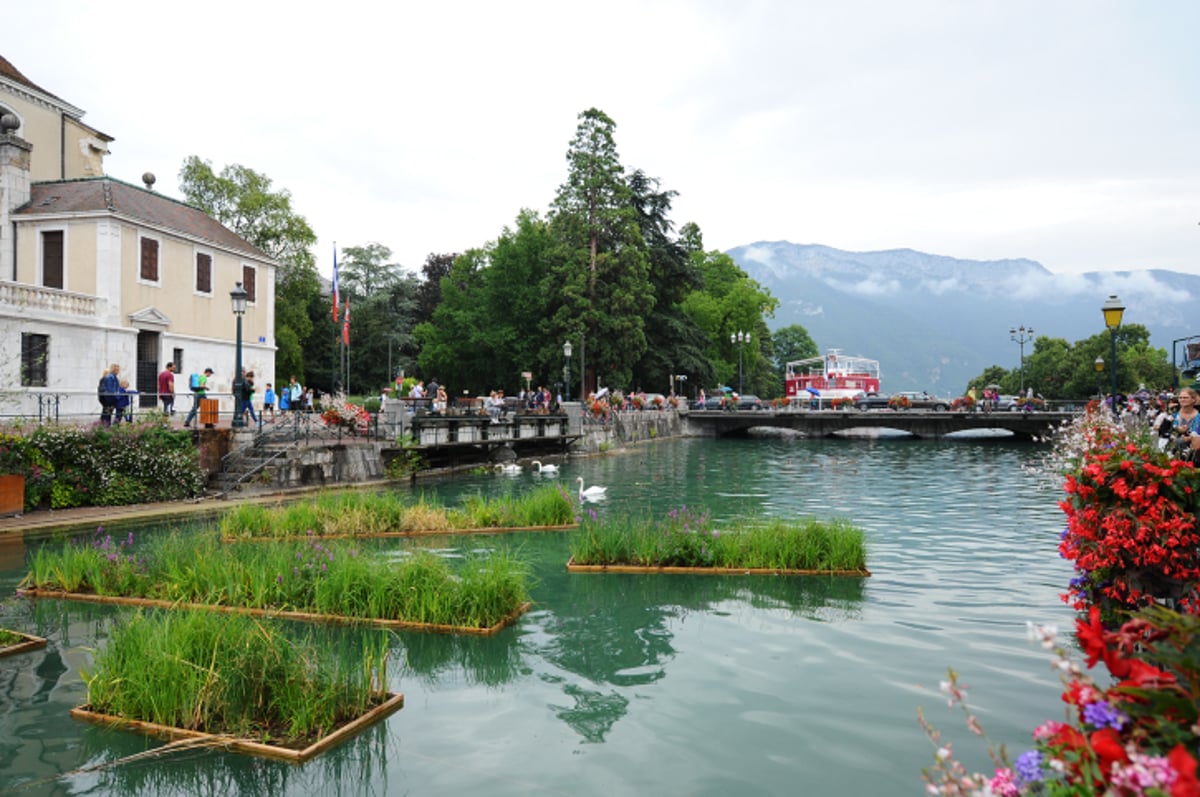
[
  {"x": 920, "y": 400},
  {"x": 749, "y": 402},
  {"x": 870, "y": 401},
  {"x": 917, "y": 400}
]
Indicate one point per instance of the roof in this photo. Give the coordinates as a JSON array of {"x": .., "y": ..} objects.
[
  {"x": 106, "y": 195},
  {"x": 12, "y": 73}
]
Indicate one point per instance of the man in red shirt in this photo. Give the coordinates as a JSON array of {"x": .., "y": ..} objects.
[{"x": 166, "y": 389}]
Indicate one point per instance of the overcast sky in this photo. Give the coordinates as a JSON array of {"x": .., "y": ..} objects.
[{"x": 1064, "y": 132}]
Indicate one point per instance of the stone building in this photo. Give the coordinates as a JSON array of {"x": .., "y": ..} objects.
[{"x": 94, "y": 270}]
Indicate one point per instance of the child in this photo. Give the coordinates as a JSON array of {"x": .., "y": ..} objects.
[
  {"x": 269, "y": 402},
  {"x": 125, "y": 403}
]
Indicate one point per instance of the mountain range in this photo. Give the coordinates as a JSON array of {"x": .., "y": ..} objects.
[{"x": 935, "y": 322}]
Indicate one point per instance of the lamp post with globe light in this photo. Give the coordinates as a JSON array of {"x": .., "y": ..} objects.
[
  {"x": 238, "y": 297},
  {"x": 1021, "y": 335},
  {"x": 739, "y": 339},
  {"x": 567, "y": 368},
  {"x": 1113, "y": 311},
  {"x": 1099, "y": 371}
]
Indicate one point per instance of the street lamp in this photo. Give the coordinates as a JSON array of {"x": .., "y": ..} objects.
[
  {"x": 1113, "y": 310},
  {"x": 1099, "y": 370},
  {"x": 238, "y": 297},
  {"x": 1021, "y": 335},
  {"x": 739, "y": 339},
  {"x": 567, "y": 368}
]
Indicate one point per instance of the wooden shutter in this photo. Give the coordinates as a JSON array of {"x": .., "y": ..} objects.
[
  {"x": 52, "y": 259},
  {"x": 149, "y": 260},
  {"x": 248, "y": 282},
  {"x": 203, "y": 272}
]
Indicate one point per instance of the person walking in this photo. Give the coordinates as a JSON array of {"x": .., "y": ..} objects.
[
  {"x": 199, "y": 387},
  {"x": 295, "y": 395},
  {"x": 269, "y": 402},
  {"x": 125, "y": 403},
  {"x": 166, "y": 389},
  {"x": 108, "y": 391},
  {"x": 248, "y": 396}
]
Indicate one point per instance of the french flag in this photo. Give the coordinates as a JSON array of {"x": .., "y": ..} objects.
[{"x": 335, "y": 285}]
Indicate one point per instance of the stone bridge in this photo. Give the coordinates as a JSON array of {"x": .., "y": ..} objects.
[{"x": 919, "y": 423}]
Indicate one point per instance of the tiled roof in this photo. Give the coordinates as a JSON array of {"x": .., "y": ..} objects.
[
  {"x": 12, "y": 73},
  {"x": 106, "y": 194}
]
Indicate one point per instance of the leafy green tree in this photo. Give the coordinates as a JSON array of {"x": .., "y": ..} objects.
[
  {"x": 429, "y": 292},
  {"x": 243, "y": 201},
  {"x": 792, "y": 343},
  {"x": 729, "y": 302},
  {"x": 675, "y": 342},
  {"x": 364, "y": 270},
  {"x": 599, "y": 277}
]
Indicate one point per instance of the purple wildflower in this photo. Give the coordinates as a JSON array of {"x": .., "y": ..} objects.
[
  {"x": 1029, "y": 767},
  {"x": 279, "y": 579},
  {"x": 1101, "y": 715}
]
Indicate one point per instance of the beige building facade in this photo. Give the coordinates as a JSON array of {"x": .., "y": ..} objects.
[{"x": 95, "y": 270}]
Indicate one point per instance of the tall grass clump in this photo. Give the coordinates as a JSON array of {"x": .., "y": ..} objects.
[
  {"x": 310, "y": 575},
  {"x": 688, "y": 538},
  {"x": 366, "y": 514},
  {"x": 234, "y": 675}
]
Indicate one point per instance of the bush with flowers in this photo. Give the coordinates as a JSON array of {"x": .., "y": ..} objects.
[
  {"x": 963, "y": 404},
  {"x": 843, "y": 403},
  {"x": 342, "y": 414},
  {"x": 1132, "y": 535},
  {"x": 899, "y": 402}
]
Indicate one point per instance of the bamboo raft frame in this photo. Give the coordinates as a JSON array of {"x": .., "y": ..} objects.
[
  {"x": 709, "y": 571},
  {"x": 30, "y": 642},
  {"x": 379, "y": 622},
  {"x": 390, "y": 534},
  {"x": 394, "y": 702}
]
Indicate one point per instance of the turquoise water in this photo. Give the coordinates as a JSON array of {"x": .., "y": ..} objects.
[{"x": 628, "y": 684}]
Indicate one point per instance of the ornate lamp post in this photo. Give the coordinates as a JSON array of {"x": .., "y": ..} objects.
[
  {"x": 1021, "y": 336},
  {"x": 739, "y": 339},
  {"x": 567, "y": 368},
  {"x": 238, "y": 297},
  {"x": 1113, "y": 310},
  {"x": 1099, "y": 371}
]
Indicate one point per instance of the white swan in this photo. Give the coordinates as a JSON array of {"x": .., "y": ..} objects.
[
  {"x": 508, "y": 467},
  {"x": 593, "y": 493},
  {"x": 545, "y": 468}
]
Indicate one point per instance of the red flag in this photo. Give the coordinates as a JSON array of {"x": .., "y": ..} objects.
[
  {"x": 335, "y": 285},
  {"x": 346, "y": 324}
]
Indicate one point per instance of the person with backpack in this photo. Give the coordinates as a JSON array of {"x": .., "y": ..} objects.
[
  {"x": 125, "y": 403},
  {"x": 198, "y": 384},
  {"x": 248, "y": 396},
  {"x": 107, "y": 392}
]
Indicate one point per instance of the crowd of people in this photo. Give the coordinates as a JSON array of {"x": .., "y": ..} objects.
[{"x": 116, "y": 397}]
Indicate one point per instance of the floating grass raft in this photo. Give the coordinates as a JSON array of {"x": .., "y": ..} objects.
[
  {"x": 14, "y": 642},
  {"x": 305, "y": 580},
  {"x": 687, "y": 541},
  {"x": 237, "y": 684},
  {"x": 334, "y": 515}
]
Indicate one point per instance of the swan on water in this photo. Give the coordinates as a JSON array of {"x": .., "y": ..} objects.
[
  {"x": 545, "y": 468},
  {"x": 593, "y": 493},
  {"x": 508, "y": 468}
]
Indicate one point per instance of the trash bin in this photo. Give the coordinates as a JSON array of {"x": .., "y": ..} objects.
[{"x": 210, "y": 410}]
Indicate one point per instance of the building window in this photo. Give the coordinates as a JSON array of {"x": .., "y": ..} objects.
[
  {"x": 35, "y": 352},
  {"x": 52, "y": 259},
  {"x": 149, "y": 267},
  {"x": 203, "y": 273},
  {"x": 248, "y": 282},
  {"x": 177, "y": 358}
]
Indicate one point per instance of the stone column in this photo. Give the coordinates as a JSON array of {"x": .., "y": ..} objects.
[{"x": 14, "y": 190}]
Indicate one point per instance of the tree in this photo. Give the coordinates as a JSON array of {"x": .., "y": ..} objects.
[
  {"x": 365, "y": 270},
  {"x": 242, "y": 200},
  {"x": 598, "y": 282},
  {"x": 429, "y": 292},
  {"x": 792, "y": 343}
]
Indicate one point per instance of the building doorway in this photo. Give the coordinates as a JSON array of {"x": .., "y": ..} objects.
[{"x": 147, "y": 369}]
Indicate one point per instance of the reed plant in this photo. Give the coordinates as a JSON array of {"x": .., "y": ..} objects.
[
  {"x": 311, "y": 575},
  {"x": 234, "y": 675},
  {"x": 366, "y": 514},
  {"x": 688, "y": 538}
]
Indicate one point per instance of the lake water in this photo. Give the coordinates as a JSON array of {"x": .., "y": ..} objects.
[{"x": 629, "y": 685}]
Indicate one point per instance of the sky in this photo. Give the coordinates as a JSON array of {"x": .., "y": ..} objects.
[{"x": 1063, "y": 131}]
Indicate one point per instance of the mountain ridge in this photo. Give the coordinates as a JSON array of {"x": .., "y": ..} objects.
[{"x": 935, "y": 321}]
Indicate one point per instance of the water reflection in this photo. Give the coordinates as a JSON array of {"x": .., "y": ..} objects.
[
  {"x": 486, "y": 661},
  {"x": 131, "y": 766}
]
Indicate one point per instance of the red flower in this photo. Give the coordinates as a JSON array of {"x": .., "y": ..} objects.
[
  {"x": 1186, "y": 784},
  {"x": 1106, "y": 743}
]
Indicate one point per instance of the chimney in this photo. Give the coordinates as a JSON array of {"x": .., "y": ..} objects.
[{"x": 14, "y": 189}]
